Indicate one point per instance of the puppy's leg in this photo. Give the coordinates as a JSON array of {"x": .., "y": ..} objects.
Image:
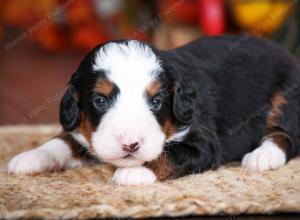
[
  {"x": 279, "y": 143},
  {"x": 271, "y": 154},
  {"x": 133, "y": 176},
  {"x": 57, "y": 154},
  {"x": 159, "y": 169}
]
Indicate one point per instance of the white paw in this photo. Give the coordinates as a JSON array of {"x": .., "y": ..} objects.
[
  {"x": 266, "y": 157},
  {"x": 32, "y": 162},
  {"x": 133, "y": 176}
]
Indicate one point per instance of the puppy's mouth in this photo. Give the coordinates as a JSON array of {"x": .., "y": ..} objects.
[
  {"x": 129, "y": 156},
  {"x": 128, "y": 160}
]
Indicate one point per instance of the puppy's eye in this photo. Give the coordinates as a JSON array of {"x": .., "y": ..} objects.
[
  {"x": 100, "y": 102},
  {"x": 156, "y": 103}
]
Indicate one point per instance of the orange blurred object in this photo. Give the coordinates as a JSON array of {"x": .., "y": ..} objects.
[
  {"x": 80, "y": 12},
  {"x": 25, "y": 12},
  {"x": 261, "y": 16}
]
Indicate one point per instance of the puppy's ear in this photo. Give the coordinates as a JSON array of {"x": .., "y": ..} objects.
[
  {"x": 183, "y": 103},
  {"x": 183, "y": 95},
  {"x": 69, "y": 112}
]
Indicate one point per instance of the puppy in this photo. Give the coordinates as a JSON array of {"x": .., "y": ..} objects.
[{"x": 157, "y": 115}]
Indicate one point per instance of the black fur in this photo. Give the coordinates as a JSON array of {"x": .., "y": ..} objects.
[
  {"x": 183, "y": 104},
  {"x": 69, "y": 111},
  {"x": 223, "y": 93},
  {"x": 233, "y": 86}
]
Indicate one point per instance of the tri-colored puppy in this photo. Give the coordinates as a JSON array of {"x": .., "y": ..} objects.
[{"x": 164, "y": 114}]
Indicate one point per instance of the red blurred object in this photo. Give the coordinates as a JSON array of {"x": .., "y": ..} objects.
[
  {"x": 80, "y": 12},
  {"x": 86, "y": 29},
  {"x": 212, "y": 16},
  {"x": 178, "y": 11},
  {"x": 49, "y": 37},
  {"x": 87, "y": 36}
]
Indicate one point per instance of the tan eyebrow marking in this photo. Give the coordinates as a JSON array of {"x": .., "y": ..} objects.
[
  {"x": 104, "y": 87},
  {"x": 153, "y": 88}
]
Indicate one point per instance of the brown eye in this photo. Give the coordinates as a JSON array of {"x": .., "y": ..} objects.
[{"x": 100, "y": 102}]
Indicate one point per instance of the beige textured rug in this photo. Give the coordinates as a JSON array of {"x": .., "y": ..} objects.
[{"x": 88, "y": 192}]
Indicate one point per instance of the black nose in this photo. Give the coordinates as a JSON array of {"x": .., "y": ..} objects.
[{"x": 131, "y": 148}]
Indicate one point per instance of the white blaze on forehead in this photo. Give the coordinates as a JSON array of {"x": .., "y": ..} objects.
[{"x": 128, "y": 64}]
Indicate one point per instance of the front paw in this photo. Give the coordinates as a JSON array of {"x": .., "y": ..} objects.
[
  {"x": 133, "y": 176},
  {"x": 32, "y": 162}
]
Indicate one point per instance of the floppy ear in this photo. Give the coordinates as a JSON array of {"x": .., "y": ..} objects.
[
  {"x": 183, "y": 103},
  {"x": 183, "y": 94},
  {"x": 69, "y": 112}
]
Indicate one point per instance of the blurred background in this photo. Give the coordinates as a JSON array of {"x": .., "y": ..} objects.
[{"x": 42, "y": 42}]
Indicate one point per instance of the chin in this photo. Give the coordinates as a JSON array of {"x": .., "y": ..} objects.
[{"x": 126, "y": 162}]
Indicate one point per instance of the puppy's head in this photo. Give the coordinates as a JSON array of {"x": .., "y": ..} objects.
[{"x": 126, "y": 103}]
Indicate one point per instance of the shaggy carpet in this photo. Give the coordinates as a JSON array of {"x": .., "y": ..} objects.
[{"x": 88, "y": 192}]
